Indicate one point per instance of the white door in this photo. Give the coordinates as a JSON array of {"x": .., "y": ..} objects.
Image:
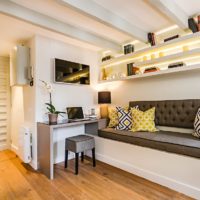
[{"x": 4, "y": 103}]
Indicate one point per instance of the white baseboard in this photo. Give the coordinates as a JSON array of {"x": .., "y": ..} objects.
[
  {"x": 14, "y": 148},
  {"x": 157, "y": 178}
]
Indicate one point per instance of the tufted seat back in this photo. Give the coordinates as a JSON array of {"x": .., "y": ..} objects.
[{"x": 172, "y": 113}]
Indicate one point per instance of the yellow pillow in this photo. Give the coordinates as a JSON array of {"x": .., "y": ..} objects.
[
  {"x": 143, "y": 121},
  {"x": 113, "y": 116}
]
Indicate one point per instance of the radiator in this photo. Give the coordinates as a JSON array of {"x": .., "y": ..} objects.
[{"x": 25, "y": 146}]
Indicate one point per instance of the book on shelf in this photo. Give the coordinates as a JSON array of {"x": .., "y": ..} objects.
[
  {"x": 151, "y": 69},
  {"x": 151, "y": 39},
  {"x": 177, "y": 64},
  {"x": 132, "y": 69},
  {"x": 129, "y": 69},
  {"x": 192, "y": 25},
  {"x": 198, "y": 22},
  {"x": 106, "y": 58},
  {"x": 128, "y": 48},
  {"x": 171, "y": 38}
]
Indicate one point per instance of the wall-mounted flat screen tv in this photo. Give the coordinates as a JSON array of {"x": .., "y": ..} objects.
[{"x": 71, "y": 72}]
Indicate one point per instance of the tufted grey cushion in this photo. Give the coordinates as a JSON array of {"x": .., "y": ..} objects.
[
  {"x": 79, "y": 143},
  {"x": 172, "y": 113}
]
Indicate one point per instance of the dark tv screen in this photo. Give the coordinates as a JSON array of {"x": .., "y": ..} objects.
[{"x": 71, "y": 72}]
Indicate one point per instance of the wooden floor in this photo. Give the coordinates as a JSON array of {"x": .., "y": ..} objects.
[{"x": 18, "y": 181}]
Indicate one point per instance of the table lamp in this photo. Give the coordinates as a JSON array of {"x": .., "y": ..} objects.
[{"x": 104, "y": 98}]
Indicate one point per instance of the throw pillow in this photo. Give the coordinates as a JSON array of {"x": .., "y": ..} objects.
[
  {"x": 113, "y": 117},
  {"x": 125, "y": 119},
  {"x": 197, "y": 125},
  {"x": 143, "y": 121}
]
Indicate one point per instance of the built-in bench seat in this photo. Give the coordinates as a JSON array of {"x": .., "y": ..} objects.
[
  {"x": 175, "y": 142},
  {"x": 169, "y": 113}
]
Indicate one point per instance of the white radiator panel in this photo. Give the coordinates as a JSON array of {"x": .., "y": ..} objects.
[{"x": 24, "y": 147}]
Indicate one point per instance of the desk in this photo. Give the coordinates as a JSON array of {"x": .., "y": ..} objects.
[{"x": 45, "y": 141}]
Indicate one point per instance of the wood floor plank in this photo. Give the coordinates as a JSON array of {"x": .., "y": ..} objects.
[
  {"x": 20, "y": 182},
  {"x": 13, "y": 186}
]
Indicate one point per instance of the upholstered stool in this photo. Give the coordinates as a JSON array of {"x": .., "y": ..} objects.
[{"x": 79, "y": 144}]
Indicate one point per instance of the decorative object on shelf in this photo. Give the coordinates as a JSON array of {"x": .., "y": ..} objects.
[
  {"x": 53, "y": 113},
  {"x": 171, "y": 38},
  {"x": 177, "y": 64},
  {"x": 136, "y": 71},
  {"x": 103, "y": 74},
  {"x": 192, "y": 25},
  {"x": 153, "y": 56},
  {"x": 161, "y": 54},
  {"x": 106, "y": 58},
  {"x": 185, "y": 48},
  {"x": 151, "y": 39},
  {"x": 128, "y": 49},
  {"x": 104, "y": 98},
  {"x": 151, "y": 69},
  {"x": 144, "y": 58}
]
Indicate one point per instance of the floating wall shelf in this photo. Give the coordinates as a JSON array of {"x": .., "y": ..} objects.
[
  {"x": 185, "y": 49},
  {"x": 157, "y": 73},
  {"x": 182, "y": 41}
]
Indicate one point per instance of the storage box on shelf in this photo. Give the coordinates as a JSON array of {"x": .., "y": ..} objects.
[{"x": 185, "y": 49}]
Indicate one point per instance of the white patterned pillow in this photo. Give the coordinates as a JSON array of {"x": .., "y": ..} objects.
[
  {"x": 125, "y": 119},
  {"x": 197, "y": 125}
]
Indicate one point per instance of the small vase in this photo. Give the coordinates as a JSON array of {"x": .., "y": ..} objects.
[{"x": 53, "y": 118}]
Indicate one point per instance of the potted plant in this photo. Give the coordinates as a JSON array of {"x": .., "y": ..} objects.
[{"x": 53, "y": 113}]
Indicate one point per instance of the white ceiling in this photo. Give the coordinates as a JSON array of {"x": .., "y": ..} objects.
[
  {"x": 190, "y": 7},
  {"x": 137, "y": 12},
  {"x": 14, "y": 31},
  {"x": 58, "y": 11}
]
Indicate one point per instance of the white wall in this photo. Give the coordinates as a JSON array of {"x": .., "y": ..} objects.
[
  {"x": 63, "y": 95},
  {"x": 17, "y": 115},
  {"x": 29, "y": 98},
  {"x": 183, "y": 85}
]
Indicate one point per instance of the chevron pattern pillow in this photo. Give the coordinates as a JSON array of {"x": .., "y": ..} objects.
[
  {"x": 197, "y": 125},
  {"x": 125, "y": 119}
]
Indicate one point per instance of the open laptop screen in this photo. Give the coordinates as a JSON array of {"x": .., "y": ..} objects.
[{"x": 75, "y": 113}]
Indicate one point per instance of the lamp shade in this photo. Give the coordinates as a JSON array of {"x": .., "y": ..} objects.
[{"x": 104, "y": 97}]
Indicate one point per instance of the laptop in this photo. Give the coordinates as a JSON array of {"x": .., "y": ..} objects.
[{"x": 75, "y": 114}]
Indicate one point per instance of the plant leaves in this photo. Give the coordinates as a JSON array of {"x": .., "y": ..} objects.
[{"x": 51, "y": 108}]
